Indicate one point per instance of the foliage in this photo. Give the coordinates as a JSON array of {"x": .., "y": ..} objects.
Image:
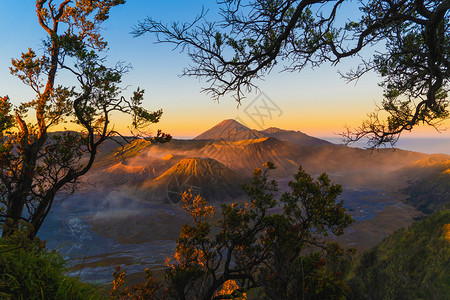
[
  {"x": 30, "y": 271},
  {"x": 256, "y": 247},
  {"x": 430, "y": 193},
  {"x": 35, "y": 165},
  {"x": 310, "y": 276},
  {"x": 230, "y": 289},
  {"x": 148, "y": 289},
  {"x": 410, "y": 264},
  {"x": 252, "y": 36}
]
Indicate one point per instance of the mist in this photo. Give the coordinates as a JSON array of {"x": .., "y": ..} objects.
[{"x": 423, "y": 145}]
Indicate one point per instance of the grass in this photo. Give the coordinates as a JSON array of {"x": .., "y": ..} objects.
[{"x": 30, "y": 271}]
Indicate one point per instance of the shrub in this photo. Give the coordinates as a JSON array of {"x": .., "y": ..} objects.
[{"x": 30, "y": 271}]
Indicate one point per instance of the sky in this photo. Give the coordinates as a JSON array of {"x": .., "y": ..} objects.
[{"x": 317, "y": 102}]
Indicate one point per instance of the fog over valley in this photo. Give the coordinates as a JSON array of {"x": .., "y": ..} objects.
[
  {"x": 269, "y": 150},
  {"x": 128, "y": 208}
]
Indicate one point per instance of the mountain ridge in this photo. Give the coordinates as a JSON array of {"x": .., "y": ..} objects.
[
  {"x": 352, "y": 167},
  {"x": 232, "y": 130},
  {"x": 293, "y": 136}
]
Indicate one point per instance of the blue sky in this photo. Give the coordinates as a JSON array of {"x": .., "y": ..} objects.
[{"x": 317, "y": 102}]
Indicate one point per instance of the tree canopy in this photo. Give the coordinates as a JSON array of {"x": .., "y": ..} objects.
[
  {"x": 253, "y": 36},
  {"x": 412, "y": 263},
  {"x": 36, "y": 165},
  {"x": 251, "y": 246}
]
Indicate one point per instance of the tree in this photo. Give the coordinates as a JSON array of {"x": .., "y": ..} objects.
[
  {"x": 148, "y": 289},
  {"x": 37, "y": 165},
  {"x": 251, "y": 246},
  {"x": 412, "y": 263},
  {"x": 253, "y": 36}
]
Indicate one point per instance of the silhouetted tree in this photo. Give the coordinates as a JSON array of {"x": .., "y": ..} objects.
[
  {"x": 253, "y": 36},
  {"x": 35, "y": 165},
  {"x": 252, "y": 246}
]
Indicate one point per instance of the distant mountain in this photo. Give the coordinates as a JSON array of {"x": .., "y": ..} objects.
[
  {"x": 243, "y": 156},
  {"x": 204, "y": 176},
  {"x": 232, "y": 130},
  {"x": 240, "y": 150},
  {"x": 229, "y": 130},
  {"x": 296, "y": 137}
]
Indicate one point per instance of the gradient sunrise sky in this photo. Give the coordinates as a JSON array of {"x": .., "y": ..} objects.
[{"x": 317, "y": 102}]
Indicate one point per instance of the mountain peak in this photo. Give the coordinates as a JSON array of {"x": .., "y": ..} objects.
[
  {"x": 292, "y": 136},
  {"x": 230, "y": 122},
  {"x": 274, "y": 130},
  {"x": 232, "y": 130},
  {"x": 223, "y": 130}
]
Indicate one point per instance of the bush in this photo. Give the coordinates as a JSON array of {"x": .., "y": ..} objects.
[
  {"x": 30, "y": 271},
  {"x": 412, "y": 263}
]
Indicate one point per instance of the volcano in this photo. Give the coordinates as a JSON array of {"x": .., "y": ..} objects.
[
  {"x": 230, "y": 130},
  {"x": 202, "y": 176}
]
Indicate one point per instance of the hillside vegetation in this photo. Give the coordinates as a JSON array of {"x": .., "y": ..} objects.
[
  {"x": 430, "y": 191},
  {"x": 30, "y": 271},
  {"x": 412, "y": 263}
]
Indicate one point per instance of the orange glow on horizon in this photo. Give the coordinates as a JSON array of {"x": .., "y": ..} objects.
[{"x": 185, "y": 127}]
